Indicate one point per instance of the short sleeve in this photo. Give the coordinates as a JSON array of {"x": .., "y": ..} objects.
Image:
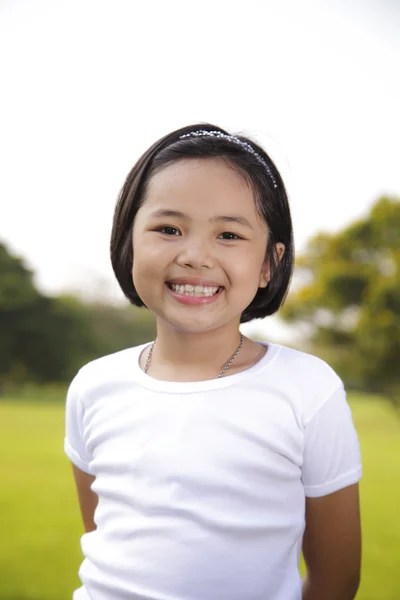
[
  {"x": 332, "y": 458},
  {"x": 74, "y": 445}
]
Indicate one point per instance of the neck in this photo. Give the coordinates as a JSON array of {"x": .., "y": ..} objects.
[{"x": 179, "y": 354}]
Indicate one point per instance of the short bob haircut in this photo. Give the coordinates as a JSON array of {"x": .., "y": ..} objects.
[{"x": 271, "y": 201}]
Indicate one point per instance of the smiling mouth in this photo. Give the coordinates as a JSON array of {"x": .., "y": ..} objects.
[{"x": 197, "y": 291}]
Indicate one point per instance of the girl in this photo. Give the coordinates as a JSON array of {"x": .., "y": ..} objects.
[{"x": 205, "y": 461}]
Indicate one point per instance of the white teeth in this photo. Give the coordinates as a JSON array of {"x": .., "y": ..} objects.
[{"x": 197, "y": 290}]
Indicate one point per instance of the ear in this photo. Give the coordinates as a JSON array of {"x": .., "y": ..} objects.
[{"x": 265, "y": 276}]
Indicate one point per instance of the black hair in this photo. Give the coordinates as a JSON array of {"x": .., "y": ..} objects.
[{"x": 270, "y": 195}]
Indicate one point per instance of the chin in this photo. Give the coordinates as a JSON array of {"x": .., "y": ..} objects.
[{"x": 197, "y": 326}]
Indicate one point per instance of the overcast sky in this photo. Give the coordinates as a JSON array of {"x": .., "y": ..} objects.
[{"x": 88, "y": 85}]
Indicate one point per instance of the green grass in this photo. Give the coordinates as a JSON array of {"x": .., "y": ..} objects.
[{"x": 40, "y": 524}]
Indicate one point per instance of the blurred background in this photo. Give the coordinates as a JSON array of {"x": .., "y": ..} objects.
[{"x": 87, "y": 86}]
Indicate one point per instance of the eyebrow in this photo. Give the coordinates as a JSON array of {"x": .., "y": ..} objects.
[{"x": 180, "y": 215}]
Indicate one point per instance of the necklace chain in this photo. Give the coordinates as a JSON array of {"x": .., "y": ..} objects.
[{"x": 220, "y": 374}]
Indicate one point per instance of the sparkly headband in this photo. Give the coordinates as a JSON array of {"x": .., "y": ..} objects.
[{"x": 234, "y": 140}]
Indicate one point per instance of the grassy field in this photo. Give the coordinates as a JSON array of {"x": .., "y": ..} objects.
[{"x": 40, "y": 523}]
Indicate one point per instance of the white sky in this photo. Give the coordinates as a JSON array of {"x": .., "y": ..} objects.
[{"x": 88, "y": 85}]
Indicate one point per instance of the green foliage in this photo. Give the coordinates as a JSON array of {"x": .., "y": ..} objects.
[
  {"x": 17, "y": 289},
  {"x": 41, "y": 336},
  {"x": 19, "y": 304},
  {"x": 115, "y": 328},
  {"x": 41, "y": 525},
  {"x": 351, "y": 298},
  {"x": 45, "y": 339}
]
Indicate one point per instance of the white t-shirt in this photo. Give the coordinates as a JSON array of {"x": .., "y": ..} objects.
[{"x": 202, "y": 485}]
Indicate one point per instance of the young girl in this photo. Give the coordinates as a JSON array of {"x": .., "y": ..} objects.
[{"x": 205, "y": 461}]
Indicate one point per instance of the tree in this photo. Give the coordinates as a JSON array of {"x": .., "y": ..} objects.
[
  {"x": 350, "y": 298},
  {"x": 42, "y": 338},
  {"x": 119, "y": 327},
  {"x": 47, "y": 339},
  {"x": 17, "y": 296}
]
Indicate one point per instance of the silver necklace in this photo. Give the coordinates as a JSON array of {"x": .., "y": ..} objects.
[{"x": 220, "y": 374}]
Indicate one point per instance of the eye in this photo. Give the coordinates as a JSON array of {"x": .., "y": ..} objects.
[
  {"x": 228, "y": 235},
  {"x": 168, "y": 230}
]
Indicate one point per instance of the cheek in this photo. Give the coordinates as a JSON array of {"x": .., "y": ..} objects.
[
  {"x": 149, "y": 260},
  {"x": 247, "y": 266}
]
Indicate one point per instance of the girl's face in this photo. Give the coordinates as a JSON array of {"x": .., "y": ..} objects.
[{"x": 199, "y": 228}]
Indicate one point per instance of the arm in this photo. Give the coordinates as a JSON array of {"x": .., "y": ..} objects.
[
  {"x": 332, "y": 546},
  {"x": 87, "y": 498}
]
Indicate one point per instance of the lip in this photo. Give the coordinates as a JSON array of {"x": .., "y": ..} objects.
[
  {"x": 195, "y": 281},
  {"x": 195, "y": 300}
]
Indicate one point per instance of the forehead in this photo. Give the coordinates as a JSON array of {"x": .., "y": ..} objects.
[{"x": 203, "y": 184}]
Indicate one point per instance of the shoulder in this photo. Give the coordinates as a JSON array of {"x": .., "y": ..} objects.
[
  {"x": 307, "y": 379},
  {"x": 107, "y": 369},
  {"x": 303, "y": 365}
]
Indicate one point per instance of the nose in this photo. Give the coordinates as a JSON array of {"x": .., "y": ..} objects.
[{"x": 195, "y": 253}]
